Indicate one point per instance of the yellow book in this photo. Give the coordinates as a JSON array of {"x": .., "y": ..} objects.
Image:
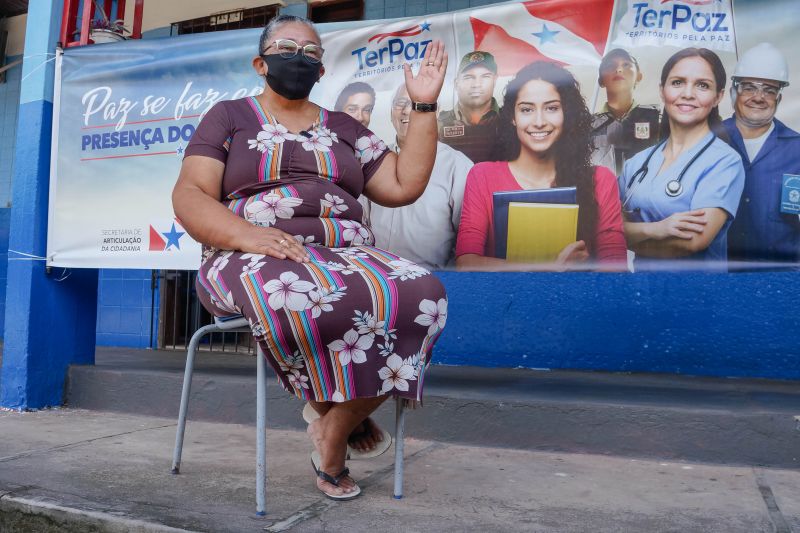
[{"x": 538, "y": 232}]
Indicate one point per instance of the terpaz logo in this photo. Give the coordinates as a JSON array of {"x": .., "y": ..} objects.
[
  {"x": 395, "y": 50},
  {"x": 166, "y": 236}
]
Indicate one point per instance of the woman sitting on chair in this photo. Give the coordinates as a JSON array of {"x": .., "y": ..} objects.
[{"x": 269, "y": 186}]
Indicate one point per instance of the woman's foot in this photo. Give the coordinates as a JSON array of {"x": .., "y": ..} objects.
[
  {"x": 366, "y": 436},
  {"x": 331, "y": 460},
  {"x": 367, "y": 439}
]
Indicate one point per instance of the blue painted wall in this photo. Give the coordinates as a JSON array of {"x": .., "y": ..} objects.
[
  {"x": 9, "y": 108},
  {"x": 697, "y": 324},
  {"x": 124, "y": 308}
]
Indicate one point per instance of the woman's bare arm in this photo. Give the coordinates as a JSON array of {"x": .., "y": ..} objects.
[{"x": 196, "y": 201}]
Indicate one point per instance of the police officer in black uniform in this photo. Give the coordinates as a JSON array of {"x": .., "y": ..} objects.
[
  {"x": 472, "y": 127},
  {"x": 623, "y": 127}
]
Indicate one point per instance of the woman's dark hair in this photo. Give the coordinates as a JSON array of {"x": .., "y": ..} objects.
[
  {"x": 357, "y": 87},
  {"x": 571, "y": 151},
  {"x": 713, "y": 60}
]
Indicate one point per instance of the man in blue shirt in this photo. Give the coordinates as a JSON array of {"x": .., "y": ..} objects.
[{"x": 769, "y": 149}]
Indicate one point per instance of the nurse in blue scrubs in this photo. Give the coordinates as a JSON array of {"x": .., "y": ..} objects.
[{"x": 680, "y": 197}]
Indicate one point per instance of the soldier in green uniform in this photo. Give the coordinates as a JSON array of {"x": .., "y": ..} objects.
[
  {"x": 623, "y": 127},
  {"x": 472, "y": 127}
]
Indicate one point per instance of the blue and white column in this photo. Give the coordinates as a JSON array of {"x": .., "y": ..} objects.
[{"x": 50, "y": 317}]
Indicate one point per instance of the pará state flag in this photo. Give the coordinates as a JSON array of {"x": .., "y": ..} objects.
[{"x": 570, "y": 32}]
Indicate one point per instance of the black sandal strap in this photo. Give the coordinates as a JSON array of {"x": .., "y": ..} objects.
[{"x": 333, "y": 480}]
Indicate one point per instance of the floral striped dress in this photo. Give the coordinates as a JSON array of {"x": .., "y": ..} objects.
[{"x": 354, "y": 322}]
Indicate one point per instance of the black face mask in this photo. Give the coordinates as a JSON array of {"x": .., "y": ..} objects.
[{"x": 293, "y": 77}]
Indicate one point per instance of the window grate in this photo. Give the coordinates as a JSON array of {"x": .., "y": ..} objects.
[{"x": 256, "y": 17}]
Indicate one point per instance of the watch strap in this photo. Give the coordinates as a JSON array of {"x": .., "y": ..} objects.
[{"x": 423, "y": 107}]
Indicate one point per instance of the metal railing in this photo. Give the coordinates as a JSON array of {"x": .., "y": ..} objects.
[{"x": 180, "y": 314}]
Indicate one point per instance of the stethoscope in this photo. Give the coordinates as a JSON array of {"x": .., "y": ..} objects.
[{"x": 674, "y": 186}]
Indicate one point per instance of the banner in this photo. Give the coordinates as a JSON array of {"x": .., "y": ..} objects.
[{"x": 126, "y": 112}]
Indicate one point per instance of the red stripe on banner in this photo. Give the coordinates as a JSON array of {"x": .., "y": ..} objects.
[
  {"x": 398, "y": 33},
  {"x": 588, "y": 19},
  {"x": 139, "y": 122},
  {"x": 157, "y": 244},
  {"x": 121, "y": 156},
  {"x": 510, "y": 53},
  {"x": 404, "y": 34}
]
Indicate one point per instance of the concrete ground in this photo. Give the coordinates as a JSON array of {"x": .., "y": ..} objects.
[{"x": 75, "y": 470}]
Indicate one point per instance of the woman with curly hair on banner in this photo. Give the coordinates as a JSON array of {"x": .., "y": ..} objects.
[
  {"x": 545, "y": 133},
  {"x": 680, "y": 197},
  {"x": 269, "y": 185}
]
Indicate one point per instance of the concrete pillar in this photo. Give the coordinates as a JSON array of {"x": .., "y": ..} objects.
[{"x": 49, "y": 324}]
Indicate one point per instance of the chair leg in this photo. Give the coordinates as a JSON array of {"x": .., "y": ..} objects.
[
  {"x": 261, "y": 435},
  {"x": 187, "y": 386},
  {"x": 399, "y": 429}
]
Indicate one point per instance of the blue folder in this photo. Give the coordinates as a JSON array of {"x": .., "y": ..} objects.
[{"x": 501, "y": 199}]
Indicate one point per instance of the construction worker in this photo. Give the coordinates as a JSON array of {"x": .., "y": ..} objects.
[{"x": 764, "y": 230}]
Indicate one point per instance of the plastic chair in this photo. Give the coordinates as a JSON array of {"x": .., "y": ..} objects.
[{"x": 240, "y": 324}]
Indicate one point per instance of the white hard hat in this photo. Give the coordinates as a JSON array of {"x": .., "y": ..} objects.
[{"x": 763, "y": 61}]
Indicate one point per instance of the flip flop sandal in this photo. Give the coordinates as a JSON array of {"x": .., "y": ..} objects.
[
  {"x": 333, "y": 480},
  {"x": 309, "y": 415}
]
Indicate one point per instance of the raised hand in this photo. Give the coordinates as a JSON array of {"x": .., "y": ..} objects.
[{"x": 426, "y": 85}]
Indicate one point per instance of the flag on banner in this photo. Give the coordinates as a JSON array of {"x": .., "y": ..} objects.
[
  {"x": 165, "y": 236},
  {"x": 701, "y": 23},
  {"x": 571, "y": 32}
]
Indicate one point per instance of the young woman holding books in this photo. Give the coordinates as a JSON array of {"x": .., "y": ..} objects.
[
  {"x": 546, "y": 129},
  {"x": 680, "y": 197}
]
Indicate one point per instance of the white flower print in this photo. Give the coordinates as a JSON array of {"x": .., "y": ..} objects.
[
  {"x": 434, "y": 315},
  {"x": 252, "y": 267},
  {"x": 304, "y": 240},
  {"x": 226, "y": 304},
  {"x": 404, "y": 270},
  {"x": 416, "y": 362},
  {"x": 395, "y": 374},
  {"x": 336, "y": 204},
  {"x": 386, "y": 349},
  {"x": 219, "y": 263},
  {"x": 318, "y": 141},
  {"x": 350, "y": 252},
  {"x": 293, "y": 363},
  {"x": 254, "y": 264},
  {"x": 352, "y": 347},
  {"x": 337, "y": 397},
  {"x": 325, "y": 132},
  {"x": 208, "y": 251},
  {"x": 344, "y": 269},
  {"x": 298, "y": 381},
  {"x": 288, "y": 291},
  {"x": 369, "y": 325},
  {"x": 369, "y": 148},
  {"x": 258, "y": 329},
  {"x": 319, "y": 301},
  {"x": 262, "y": 145},
  {"x": 266, "y": 211},
  {"x": 355, "y": 232}
]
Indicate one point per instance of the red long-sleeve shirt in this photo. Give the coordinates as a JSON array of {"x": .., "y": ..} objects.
[{"x": 476, "y": 230}]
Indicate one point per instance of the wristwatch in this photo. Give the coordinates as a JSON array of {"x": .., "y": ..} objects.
[{"x": 423, "y": 107}]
